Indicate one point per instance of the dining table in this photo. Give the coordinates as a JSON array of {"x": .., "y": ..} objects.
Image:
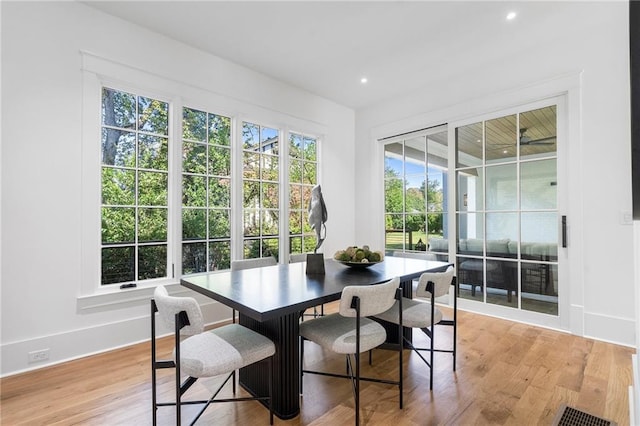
[{"x": 271, "y": 300}]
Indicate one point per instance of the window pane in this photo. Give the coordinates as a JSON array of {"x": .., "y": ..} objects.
[
  {"x": 153, "y": 116},
  {"x": 295, "y": 196},
  {"x": 309, "y": 244},
  {"x": 540, "y": 287},
  {"x": 118, "y": 148},
  {"x": 538, "y": 185},
  {"x": 435, "y": 190},
  {"x": 219, "y": 192},
  {"x": 502, "y": 234},
  {"x": 269, "y": 140},
  {"x": 306, "y": 196},
  {"x": 414, "y": 196},
  {"x": 152, "y": 262},
  {"x": 250, "y": 136},
  {"x": 393, "y": 197},
  {"x": 194, "y": 224},
  {"x": 251, "y": 165},
  {"x": 251, "y": 194},
  {"x": 295, "y": 245},
  {"x": 538, "y": 133},
  {"x": 471, "y": 278},
  {"x": 152, "y": 189},
  {"x": 501, "y": 187},
  {"x": 393, "y": 157},
  {"x": 219, "y": 161},
  {"x": 471, "y": 233},
  {"x": 502, "y": 283},
  {"x": 270, "y": 247},
  {"x": 269, "y": 222},
  {"x": 152, "y": 225},
  {"x": 219, "y": 224},
  {"x": 251, "y": 223},
  {"x": 310, "y": 153},
  {"x": 194, "y": 125},
  {"x": 252, "y": 249},
  {"x": 219, "y": 255},
  {"x": 118, "y": 225},
  {"x": 269, "y": 168},
  {"x": 295, "y": 222},
  {"x": 219, "y": 130},
  {"x": 295, "y": 171},
  {"x": 194, "y": 191},
  {"x": 470, "y": 192},
  {"x": 270, "y": 195},
  {"x": 469, "y": 145},
  {"x": 118, "y": 264},
  {"x": 501, "y": 136},
  {"x": 310, "y": 173},
  {"x": 118, "y": 109},
  {"x": 194, "y": 157},
  {"x": 152, "y": 152},
  {"x": 540, "y": 236},
  {"x": 435, "y": 224},
  {"x": 295, "y": 145},
  {"x": 118, "y": 186},
  {"x": 194, "y": 258}
]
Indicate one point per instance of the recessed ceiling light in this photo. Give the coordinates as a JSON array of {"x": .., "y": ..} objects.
[
  {"x": 511, "y": 16},
  {"x": 363, "y": 80}
]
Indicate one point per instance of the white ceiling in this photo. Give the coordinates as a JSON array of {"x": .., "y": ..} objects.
[{"x": 326, "y": 47}]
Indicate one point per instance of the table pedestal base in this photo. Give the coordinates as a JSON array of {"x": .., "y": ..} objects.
[{"x": 286, "y": 365}]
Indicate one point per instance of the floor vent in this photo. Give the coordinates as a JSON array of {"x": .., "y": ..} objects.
[{"x": 568, "y": 416}]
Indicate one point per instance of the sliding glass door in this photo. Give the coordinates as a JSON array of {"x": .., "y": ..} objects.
[
  {"x": 507, "y": 216},
  {"x": 415, "y": 192}
]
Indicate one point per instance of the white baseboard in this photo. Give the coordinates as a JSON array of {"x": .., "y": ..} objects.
[
  {"x": 610, "y": 329},
  {"x": 80, "y": 343}
]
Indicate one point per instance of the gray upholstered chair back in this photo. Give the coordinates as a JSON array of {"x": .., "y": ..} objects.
[
  {"x": 415, "y": 255},
  {"x": 297, "y": 257},
  {"x": 237, "y": 265},
  {"x": 441, "y": 281},
  {"x": 169, "y": 306},
  {"x": 374, "y": 299}
]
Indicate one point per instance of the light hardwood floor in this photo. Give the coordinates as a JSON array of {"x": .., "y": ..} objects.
[{"x": 508, "y": 374}]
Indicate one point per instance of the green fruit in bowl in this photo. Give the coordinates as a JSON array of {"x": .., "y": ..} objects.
[
  {"x": 359, "y": 255},
  {"x": 374, "y": 257}
]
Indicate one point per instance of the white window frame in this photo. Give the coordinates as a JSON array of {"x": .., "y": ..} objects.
[{"x": 99, "y": 72}]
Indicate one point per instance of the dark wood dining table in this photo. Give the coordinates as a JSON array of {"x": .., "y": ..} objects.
[{"x": 271, "y": 299}]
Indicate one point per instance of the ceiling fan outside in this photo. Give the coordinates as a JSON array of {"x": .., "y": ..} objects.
[{"x": 526, "y": 140}]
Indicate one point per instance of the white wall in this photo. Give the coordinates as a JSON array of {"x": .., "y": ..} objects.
[
  {"x": 588, "y": 47},
  {"x": 41, "y": 168}
]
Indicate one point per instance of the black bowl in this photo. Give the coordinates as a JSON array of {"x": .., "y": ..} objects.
[{"x": 358, "y": 264}]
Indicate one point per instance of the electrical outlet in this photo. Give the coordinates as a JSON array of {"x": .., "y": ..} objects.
[{"x": 39, "y": 356}]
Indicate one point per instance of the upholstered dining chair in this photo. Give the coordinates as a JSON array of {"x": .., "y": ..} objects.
[
  {"x": 425, "y": 315},
  {"x": 302, "y": 257},
  {"x": 297, "y": 257},
  {"x": 237, "y": 265},
  {"x": 350, "y": 332},
  {"x": 414, "y": 255},
  {"x": 220, "y": 351}
]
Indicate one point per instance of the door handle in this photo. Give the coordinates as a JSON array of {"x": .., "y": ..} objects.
[{"x": 564, "y": 231}]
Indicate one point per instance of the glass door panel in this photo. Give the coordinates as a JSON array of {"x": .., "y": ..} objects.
[{"x": 507, "y": 210}]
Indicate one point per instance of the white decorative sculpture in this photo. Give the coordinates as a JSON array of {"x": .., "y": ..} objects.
[{"x": 318, "y": 216}]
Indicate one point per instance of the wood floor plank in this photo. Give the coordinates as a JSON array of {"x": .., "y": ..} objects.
[{"x": 507, "y": 374}]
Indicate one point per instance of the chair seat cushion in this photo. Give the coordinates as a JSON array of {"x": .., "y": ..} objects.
[
  {"x": 415, "y": 314},
  {"x": 223, "y": 350},
  {"x": 338, "y": 333}
]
